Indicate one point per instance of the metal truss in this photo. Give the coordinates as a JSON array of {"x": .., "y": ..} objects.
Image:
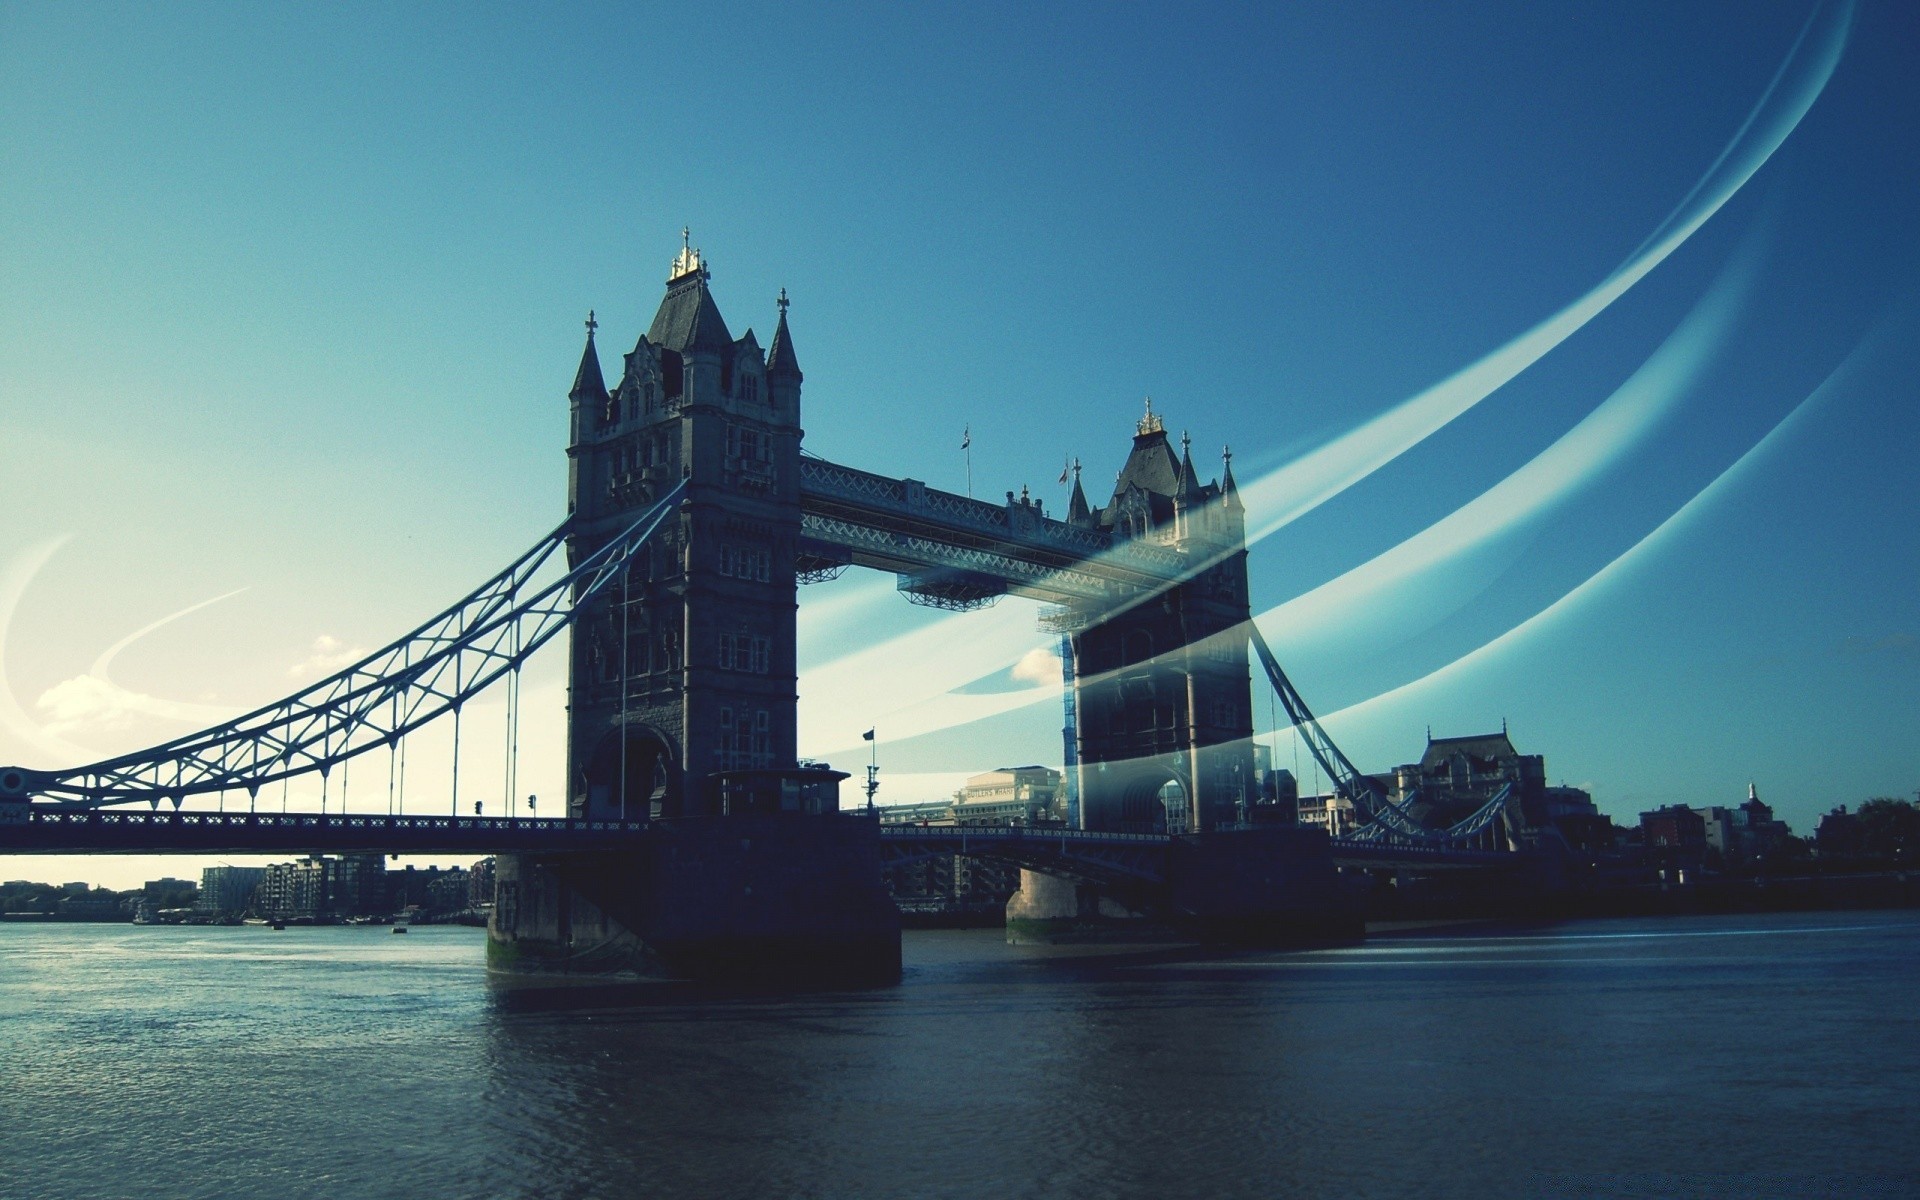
[
  {"x": 933, "y": 527},
  {"x": 1372, "y": 805},
  {"x": 1382, "y": 819},
  {"x": 426, "y": 674},
  {"x": 927, "y": 552}
]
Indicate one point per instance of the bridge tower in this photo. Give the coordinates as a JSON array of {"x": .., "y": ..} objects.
[
  {"x": 689, "y": 668},
  {"x": 681, "y": 687},
  {"x": 1162, "y": 694}
]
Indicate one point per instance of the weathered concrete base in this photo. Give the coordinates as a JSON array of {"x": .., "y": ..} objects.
[
  {"x": 758, "y": 901},
  {"x": 1271, "y": 886},
  {"x": 1049, "y": 910}
]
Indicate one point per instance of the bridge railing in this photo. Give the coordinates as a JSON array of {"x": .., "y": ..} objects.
[{"x": 1008, "y": 833}]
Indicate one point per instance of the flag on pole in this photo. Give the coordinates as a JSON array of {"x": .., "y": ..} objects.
[
  {"x": 867, "y": 736},
  {"x": 1066, "y": 469},
  {"x": 966, "y": 437}
]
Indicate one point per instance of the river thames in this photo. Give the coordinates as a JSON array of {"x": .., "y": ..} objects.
[{"x": 1728, "y": 1056}]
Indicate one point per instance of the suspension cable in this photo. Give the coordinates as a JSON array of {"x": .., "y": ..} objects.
[{"x": 456, "y": 760}]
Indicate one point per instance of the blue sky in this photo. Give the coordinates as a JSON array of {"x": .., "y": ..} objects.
[{"x": 290, "y": 296}]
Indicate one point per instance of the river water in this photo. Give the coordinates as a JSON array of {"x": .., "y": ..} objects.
[{"x": 1728, "y": 1056}]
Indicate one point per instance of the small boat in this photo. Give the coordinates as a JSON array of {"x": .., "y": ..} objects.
[
  {"x": 399, "y": 929},
  {"x": 279, "y": 924}
]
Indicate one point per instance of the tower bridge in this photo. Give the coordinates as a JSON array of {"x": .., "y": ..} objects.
[{"x": 694, "y": 839}]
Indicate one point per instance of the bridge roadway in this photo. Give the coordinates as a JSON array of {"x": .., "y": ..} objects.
[{"x": 1094, "y": 856}]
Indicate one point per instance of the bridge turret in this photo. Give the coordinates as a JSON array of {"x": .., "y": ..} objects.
[
  {"x": 587, "y": 407},
  {"x": 1077, "y": 511},
  {"x": 783, "y": 368}
]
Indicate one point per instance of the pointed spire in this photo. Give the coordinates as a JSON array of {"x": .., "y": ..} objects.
[
  {"x": 1077, "y": 511},
  {"x": 588, "y": 382},
  {"x": 781, "y": 362},
  {"x": 1189, "y": 482},
  {"x": 1229, "y": 491}
]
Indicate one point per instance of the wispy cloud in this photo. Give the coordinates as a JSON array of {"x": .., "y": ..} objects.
[{"x": 327, "y": 655}]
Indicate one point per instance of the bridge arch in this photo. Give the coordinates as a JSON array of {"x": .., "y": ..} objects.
[
  {"x": 1154, "y": 799},
  {"x": 633, "y": 775}
]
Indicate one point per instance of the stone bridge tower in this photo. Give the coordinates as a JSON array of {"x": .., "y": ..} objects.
[
  {"x": 1162, "y": 698},
  {"x": 689, "y": 668}
]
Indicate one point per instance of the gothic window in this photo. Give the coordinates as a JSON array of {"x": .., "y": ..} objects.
[
  {"x": 747, "y": 445},
  {"x": 749, "y": 386},
  {"x": 762, "y": 738},
  {"x": 744, "y": 652},
  {"x": 745, "y": 562}
]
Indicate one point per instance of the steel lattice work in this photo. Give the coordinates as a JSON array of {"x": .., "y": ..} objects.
[
  {"x": 424, "y": 675},
  {"x": 1382, "y": 819}
]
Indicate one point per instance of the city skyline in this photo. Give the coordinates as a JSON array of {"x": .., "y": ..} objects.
[{"x": 1567, "y": 359}]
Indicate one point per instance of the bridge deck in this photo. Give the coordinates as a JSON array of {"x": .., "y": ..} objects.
[
  {"x": 121, "y": 831},
  {"x": 50, "y": 830}
]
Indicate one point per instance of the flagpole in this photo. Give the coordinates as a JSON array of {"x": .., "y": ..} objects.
[
  {"x": 966, "y": 444},
  {"x": 873, "y": 769}
]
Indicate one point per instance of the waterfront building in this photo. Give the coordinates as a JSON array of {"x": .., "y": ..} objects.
[
  {"x": 1457, "y": 775},
  {"x": 159, "y": 891},
  {"x": 1839, "y": 834},
  {"x": 925, "y": 812},
  {"x": 1329, "y": 811},
  {"x": 480, "y": 884},
  {"x": 1755, "y": 829},
  {"x": 448, "y": 891},
  {"x": 1721, "y": 839},
  {"x": 1011, "y": 796},
  {"x": 227, "y": 890},
  {"x": 93, "y": 906},
  {"x": 1675, "y": 834},
  {"x": 321, "y": 888},
  {"x": 1563, "y": 802}
]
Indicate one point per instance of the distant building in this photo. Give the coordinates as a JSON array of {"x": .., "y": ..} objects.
[
  {"x": 324, "y": 889},
  {"x": 167, "y": 891},
  {"x": 1011, "y": 796},
  {"x": 480, "y": 883},
  {"x": 227, "y": 890},
  {"x": 448, "y": 892},
  {"x": 1839, "y": 834},
  {"x": 926, "y": 812},
  {"x": 1721, "y": 838},
  {"x": 1330, "y": 811},
  {"x": 95, "y": 906},
  {"x": 1755, "y": 829},
  {"x": 1675, "y": 832},
  {"x": 1456, "y": 776},
  {"x": 1563, "y": 802}
]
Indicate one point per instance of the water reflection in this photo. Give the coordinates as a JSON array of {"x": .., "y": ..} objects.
[{"x": 1727, "y": 1056}]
